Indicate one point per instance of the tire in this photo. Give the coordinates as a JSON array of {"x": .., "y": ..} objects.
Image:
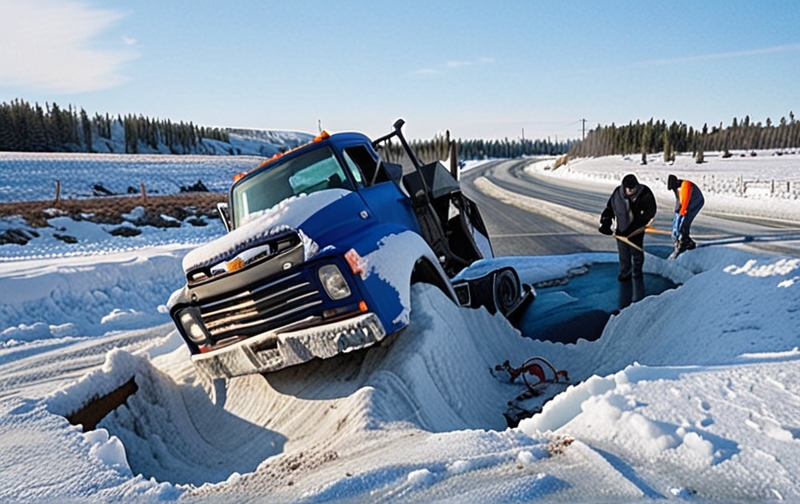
[{"x": 506, "y": 291}]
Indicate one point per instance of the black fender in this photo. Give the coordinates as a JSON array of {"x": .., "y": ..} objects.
[{"x": 499, "y": 290}]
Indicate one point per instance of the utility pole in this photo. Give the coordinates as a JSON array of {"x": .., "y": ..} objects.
[
  {"x": 583, "y": 129},
  {"x": 523, "y": 134}
]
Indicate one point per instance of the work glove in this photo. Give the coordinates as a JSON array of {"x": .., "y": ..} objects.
[
  {"x": 605, "y": 228},
  {"x": 677, "y": 225}
]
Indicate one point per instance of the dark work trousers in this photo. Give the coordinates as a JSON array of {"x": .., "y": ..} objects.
[
  {"x": 687, "y": 224},
  {"x": 631, "y": 292},
  {"x": 630, "y": 259}
]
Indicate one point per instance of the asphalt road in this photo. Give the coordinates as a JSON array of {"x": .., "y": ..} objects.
[{"x": 516, "y": 231}]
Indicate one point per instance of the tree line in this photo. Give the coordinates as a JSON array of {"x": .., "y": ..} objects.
[
  {"x": 437, "y": 149},
  {"x": 484, "y": 149},
  {"x": 33, "y": 128},
  {"x": 655, "y": 136}
]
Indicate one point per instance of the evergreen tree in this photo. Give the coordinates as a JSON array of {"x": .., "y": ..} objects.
[
  {"x": 667, "y": 147},
  {"x": 86, "y": 127},
  {"x": 39, "y": 140}
]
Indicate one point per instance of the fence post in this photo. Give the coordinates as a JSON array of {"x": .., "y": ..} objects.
[
  {"x": 144, "y": 193},
  {"x": 58, "y": 192}
]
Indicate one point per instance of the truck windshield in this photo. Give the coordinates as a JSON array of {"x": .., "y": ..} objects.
[{"x": 310, "y": 172}]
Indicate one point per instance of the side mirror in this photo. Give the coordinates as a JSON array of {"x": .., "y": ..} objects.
[{"x": 222, "y": 209}]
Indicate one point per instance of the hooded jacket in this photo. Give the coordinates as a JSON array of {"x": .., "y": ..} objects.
[{"x": 629, "y": 212}]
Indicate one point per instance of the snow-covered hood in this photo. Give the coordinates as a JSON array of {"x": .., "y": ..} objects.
[{"x": 289, "y": 214}]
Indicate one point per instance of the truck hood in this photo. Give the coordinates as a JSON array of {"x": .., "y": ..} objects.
[{"x": 312, "y": 216}]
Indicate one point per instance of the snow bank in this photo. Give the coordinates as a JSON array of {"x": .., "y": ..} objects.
[{"x": 87, "y": 296}]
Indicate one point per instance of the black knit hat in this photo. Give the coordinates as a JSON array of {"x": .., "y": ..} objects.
[
  {"x": 629, "y": 181},
  {"x": 672, "y": 182}
]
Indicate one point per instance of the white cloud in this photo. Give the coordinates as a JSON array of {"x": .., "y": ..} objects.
[
  {"x": 453, "y": 64},
  {"x": 478, "y": 61},
  {"x": 726, "y": 55},
  {"x": 52, "y": 45}
]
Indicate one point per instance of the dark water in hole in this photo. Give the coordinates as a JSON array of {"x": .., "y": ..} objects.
[{"x": 581, "y": 308}]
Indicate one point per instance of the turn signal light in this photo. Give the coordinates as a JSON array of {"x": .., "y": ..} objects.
[
  {"x": 357, "y": 263},
  {"x": 235, "y": 265}
]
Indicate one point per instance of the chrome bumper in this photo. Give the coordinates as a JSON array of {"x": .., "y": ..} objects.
[{"x": 293, "y": 347}]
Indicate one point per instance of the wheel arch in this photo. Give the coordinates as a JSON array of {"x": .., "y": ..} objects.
[{"x": 425, "y": 271}]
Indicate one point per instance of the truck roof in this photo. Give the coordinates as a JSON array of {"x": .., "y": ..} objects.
[{"x": 337, "y": 140}]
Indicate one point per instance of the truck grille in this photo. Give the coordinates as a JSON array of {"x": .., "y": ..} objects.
[{"x": 258, "y": 309}]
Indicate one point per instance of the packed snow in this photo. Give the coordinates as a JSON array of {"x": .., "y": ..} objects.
[{"x": 693, "y": 394}]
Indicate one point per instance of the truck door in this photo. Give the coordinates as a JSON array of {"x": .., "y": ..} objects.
[{"x": 382, "y": 195}]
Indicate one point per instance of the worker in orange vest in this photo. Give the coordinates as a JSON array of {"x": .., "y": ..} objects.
[{"x": 688, "y": 202}]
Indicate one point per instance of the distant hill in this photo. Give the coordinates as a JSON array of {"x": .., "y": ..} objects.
[
  {"x": 240, "y": 142},
  {"x": 33, "y": 128}
]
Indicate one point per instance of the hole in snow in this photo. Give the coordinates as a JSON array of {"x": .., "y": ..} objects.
[{"x": 581, "y": 307}]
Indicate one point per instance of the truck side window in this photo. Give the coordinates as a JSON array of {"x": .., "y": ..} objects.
[{"x": 361, "y": 163}]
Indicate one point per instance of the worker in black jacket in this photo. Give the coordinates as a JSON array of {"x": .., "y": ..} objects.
[{"x": 632, "y": 207}]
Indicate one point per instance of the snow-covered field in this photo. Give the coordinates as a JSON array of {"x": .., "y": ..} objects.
[
  {"x": 693, "y": 394},
  {"x": 33, "y": 176},
  {"x": 755, "y": 183}
]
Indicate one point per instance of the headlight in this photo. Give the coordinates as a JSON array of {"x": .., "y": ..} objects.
[
  {"x": 333, "y": 281},
  {"x": 192, "y": 327}
]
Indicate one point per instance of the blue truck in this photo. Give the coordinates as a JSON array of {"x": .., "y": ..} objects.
[{"x": 322, "y": 246}]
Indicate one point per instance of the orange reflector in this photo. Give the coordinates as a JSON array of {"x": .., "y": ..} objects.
[
  {"x": 238, "y": 176},
  {"x": 322, "y": 136},
  {"x": 204, "y": 348},
  {"x": 235, "y": 264},
  {"x": 362, "y": 306}
]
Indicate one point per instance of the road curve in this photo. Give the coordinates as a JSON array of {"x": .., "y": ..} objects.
[{"x": 528, "y": 214}]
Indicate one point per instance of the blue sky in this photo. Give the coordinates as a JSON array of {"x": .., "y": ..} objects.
[{"x": 480, "y": 69}]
